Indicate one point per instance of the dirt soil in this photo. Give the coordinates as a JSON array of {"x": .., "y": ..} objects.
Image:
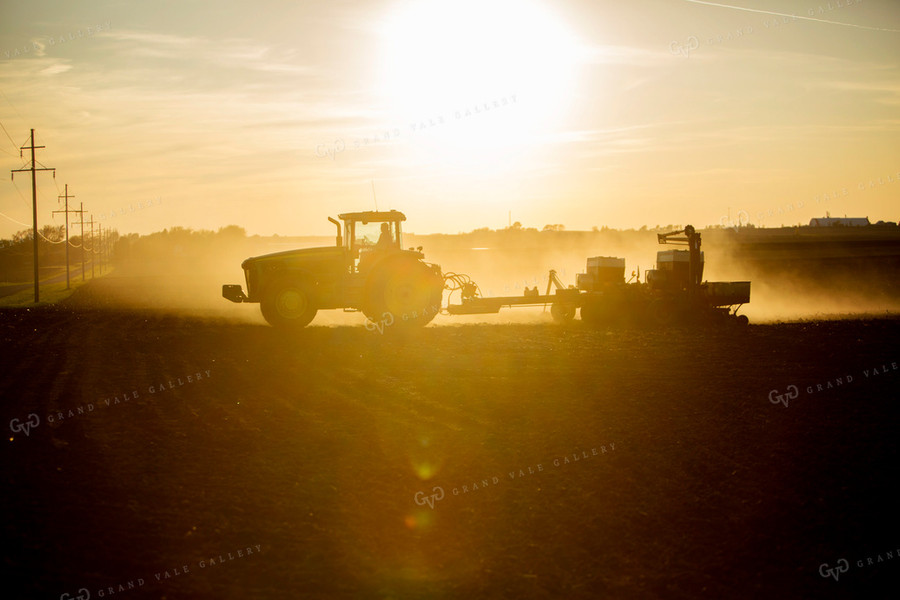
[{"x": 192, "y": 456}]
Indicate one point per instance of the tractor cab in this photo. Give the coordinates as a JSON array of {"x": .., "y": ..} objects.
[{"x": 369, "y": 235}]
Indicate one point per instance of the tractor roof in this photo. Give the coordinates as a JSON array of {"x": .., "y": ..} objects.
[{"x": 373, "y": 216}]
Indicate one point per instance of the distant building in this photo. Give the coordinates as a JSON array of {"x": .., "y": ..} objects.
[{"x": 845, "y": 222}]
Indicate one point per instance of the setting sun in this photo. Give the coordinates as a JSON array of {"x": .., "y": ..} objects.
[{"x": 480, "y": 77}]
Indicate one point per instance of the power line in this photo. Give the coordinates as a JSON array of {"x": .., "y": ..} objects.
[
  {"x": 15, "y": 110},
  {"x": 92, "y": 246},
  {"x": 43, "y": 196},
  {"x": 100, "y": 250},
  {"x": 42, "y": 236},
  {"x": 81, "y": 222},
  {"x": 66, "y": 211},
  {"x": 8, "y": 136},
  {"x": 21, "y": 195},
  {"x": 13, "y": 220},
  {"x": 33, "y": 170},
  {"x": 24, "y": 162}
]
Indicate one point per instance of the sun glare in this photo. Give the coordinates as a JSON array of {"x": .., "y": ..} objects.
[{"x": 476, "y": 77}]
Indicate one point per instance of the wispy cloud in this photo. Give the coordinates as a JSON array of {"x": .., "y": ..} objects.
[
  {"x": 55, "y": 69},
  {"x": 609, "y": 54},
  {"x": 233, "y": 53},
  {"x": 880, "y": 91},
  {"x": 792, "y": 16}
]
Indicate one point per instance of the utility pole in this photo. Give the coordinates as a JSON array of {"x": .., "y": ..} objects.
[
  {"x": 34, "y": 231},
  {"x": 81, "y": 222},
  {"x": 92, "y": 246},
  {"x": 67, "y": 196},
  {"x": 100, "y": 248}
]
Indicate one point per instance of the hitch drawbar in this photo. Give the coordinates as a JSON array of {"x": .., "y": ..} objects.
[{"x": 234, "y": 293}]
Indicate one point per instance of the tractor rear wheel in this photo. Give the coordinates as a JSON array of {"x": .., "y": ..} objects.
[
  {"x": 405, "y": 293},
  {"x": 288, "y": 304}
]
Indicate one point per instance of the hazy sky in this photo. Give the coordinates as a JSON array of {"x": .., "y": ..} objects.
[{"x": 274, "y": 114}]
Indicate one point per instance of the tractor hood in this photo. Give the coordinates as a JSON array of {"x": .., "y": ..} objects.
[{"x": 300, "y": 256}]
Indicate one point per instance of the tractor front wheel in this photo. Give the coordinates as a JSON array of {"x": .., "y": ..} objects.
[{"x": 288, "y": 304}]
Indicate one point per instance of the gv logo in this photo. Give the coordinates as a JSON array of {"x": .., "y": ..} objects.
[
  {"x": 387, "y": 319},
  {"x": 842, "y": 566},
  {"x": 422, "y": 499},
  {"x": 415, "y": 314},
  {"x": 692, "y": 43},
  {"x": 83, "y": 594},
  {"x": 776, "y": 398},
  {"x": 743, "y": 219},
  {"x": 16, "y": 425},
  {"x": 323, "y": 150}
]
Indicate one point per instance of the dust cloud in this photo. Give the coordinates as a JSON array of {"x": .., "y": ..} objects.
[
  {"x": 790, "y": 286},
  {"x": 183, "y": 271}
]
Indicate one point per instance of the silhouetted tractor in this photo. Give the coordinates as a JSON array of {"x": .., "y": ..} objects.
[{"x": 366, "y": 270}]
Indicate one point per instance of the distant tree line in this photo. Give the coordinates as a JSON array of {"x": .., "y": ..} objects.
[{"x": 16, "y": 252}]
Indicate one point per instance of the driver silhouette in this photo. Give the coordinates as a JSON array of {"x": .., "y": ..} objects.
[{"x": 385, "y": 240}]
